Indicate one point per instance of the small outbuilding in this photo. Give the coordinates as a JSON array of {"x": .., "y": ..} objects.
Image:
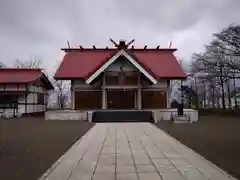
[{"x": 23, "y": 91}]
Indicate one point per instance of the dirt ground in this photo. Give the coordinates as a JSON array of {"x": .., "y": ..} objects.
[
  {"x": 215, "y": 138},
  {"x": 29, "y": 146}
]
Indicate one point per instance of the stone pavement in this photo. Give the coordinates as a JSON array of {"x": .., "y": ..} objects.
[{"x": 131, "y": 151}]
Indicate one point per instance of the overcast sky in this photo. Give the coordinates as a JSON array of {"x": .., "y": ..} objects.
[{"x": 39, "y": 28}]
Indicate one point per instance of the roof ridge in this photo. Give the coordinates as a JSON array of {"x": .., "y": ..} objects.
[{"x": 113, "y": 49}]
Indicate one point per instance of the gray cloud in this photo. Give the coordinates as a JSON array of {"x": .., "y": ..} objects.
[
  {"x": 175, "y": 15},
  {"x": 31, "y": 28},
  {"x": 164, "y": 15}
]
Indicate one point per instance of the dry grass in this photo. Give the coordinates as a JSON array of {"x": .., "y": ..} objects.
[
  {"x": 29, "y": 146},
  {"x": 215, "y": 138}
]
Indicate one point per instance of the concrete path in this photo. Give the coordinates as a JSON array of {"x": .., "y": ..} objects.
[{"x": 131, "y": 151}]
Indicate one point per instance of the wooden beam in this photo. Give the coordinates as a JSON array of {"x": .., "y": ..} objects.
[
  {"x": 68, "y": 45},
  {"x": 132, "y": 41},
  {"x": 170, "y": 45},
  {"x": 26, "y": 94},
  {"x": 4, "y": 90},
  {"x": 115, "y": 44},
  {"x": 17, "y": 98}
]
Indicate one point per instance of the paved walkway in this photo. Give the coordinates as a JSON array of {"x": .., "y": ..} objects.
[{"x": 131, "y": 151}]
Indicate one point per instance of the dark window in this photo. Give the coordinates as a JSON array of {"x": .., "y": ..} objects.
[
  {"x": 8, "y": 101},
  {"x": 40, "y": 99}
]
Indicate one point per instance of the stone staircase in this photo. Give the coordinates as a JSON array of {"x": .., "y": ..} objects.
[{"x": 122, "y": 116}]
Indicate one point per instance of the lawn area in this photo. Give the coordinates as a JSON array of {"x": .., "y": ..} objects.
[
  {"x": 215, "y": 138},
  {"x": 29, "y": 146}
]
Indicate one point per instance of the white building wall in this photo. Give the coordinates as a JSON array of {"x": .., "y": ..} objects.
[
  {"x": 33, "y": 88},
  {"x": 32, "y": 97},
  {"x": 21, "y": 107},
  {"x": 12, "y": 87}
]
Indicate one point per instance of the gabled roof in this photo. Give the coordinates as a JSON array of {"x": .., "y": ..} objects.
[
  {"x": 23, "y": 76},
  {"x": 83, "y": 63},
  {"x": 113, "y": 59}
]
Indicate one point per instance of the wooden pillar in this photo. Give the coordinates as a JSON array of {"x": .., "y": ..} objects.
[
  {"x": 139, "y": 98},
  {"x": 17, "y": 99},
  {"x": 168, "y": 98},
  {"x": 72, "y": 96},
  {"x": 4, "y": 89},
  {"x": 168, "y": 94},
  {"x": 72, "y": 99},
  {"x": 104, "y": 93},
  {"x": 135, "y": 100},
  {"x": 104, "y": 98},
  {"x": 139, "y": 93},
  {"x": 26, "y": 98}
]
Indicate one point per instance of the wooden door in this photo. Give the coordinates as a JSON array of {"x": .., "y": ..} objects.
[
  {"x": 120, "y": 99},
  {"x": 154, "y": 99},
  {"x": 88, "y": 100}
]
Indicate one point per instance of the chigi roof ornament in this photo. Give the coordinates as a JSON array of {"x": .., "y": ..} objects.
[{"x": 122, "y": 43}]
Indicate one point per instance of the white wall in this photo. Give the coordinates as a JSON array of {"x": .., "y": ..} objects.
[
  {"x": 12, "y": 87},
  {"x": 166, "y": 114},
  {"x": 32, "y": 97},
  {"x": 66, "y": 115},
  {"x": 33, "y": 88}
]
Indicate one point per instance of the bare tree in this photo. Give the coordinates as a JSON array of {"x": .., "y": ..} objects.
[
  {"x": 201, "y": 78},
  {"x": 32, "y": 63},
  {"x": 175, "y": 84},
  {"x": 213, "y": 63},
  {"x": 2, "y": 65},
  {"x": 230, "y": 40},
  {"x": 61, "y": 89}
]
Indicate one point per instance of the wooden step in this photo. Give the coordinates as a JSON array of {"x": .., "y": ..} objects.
[{"x": 122, "y": 116}]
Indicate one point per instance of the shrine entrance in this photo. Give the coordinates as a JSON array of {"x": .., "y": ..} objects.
[{"x": 121, "y": 99}]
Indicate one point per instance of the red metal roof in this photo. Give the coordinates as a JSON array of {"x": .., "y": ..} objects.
[
  {"x": 23, "y": 76},
  {"x": 82, "y": 63},
  {"x": 162, "y": 64}
]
